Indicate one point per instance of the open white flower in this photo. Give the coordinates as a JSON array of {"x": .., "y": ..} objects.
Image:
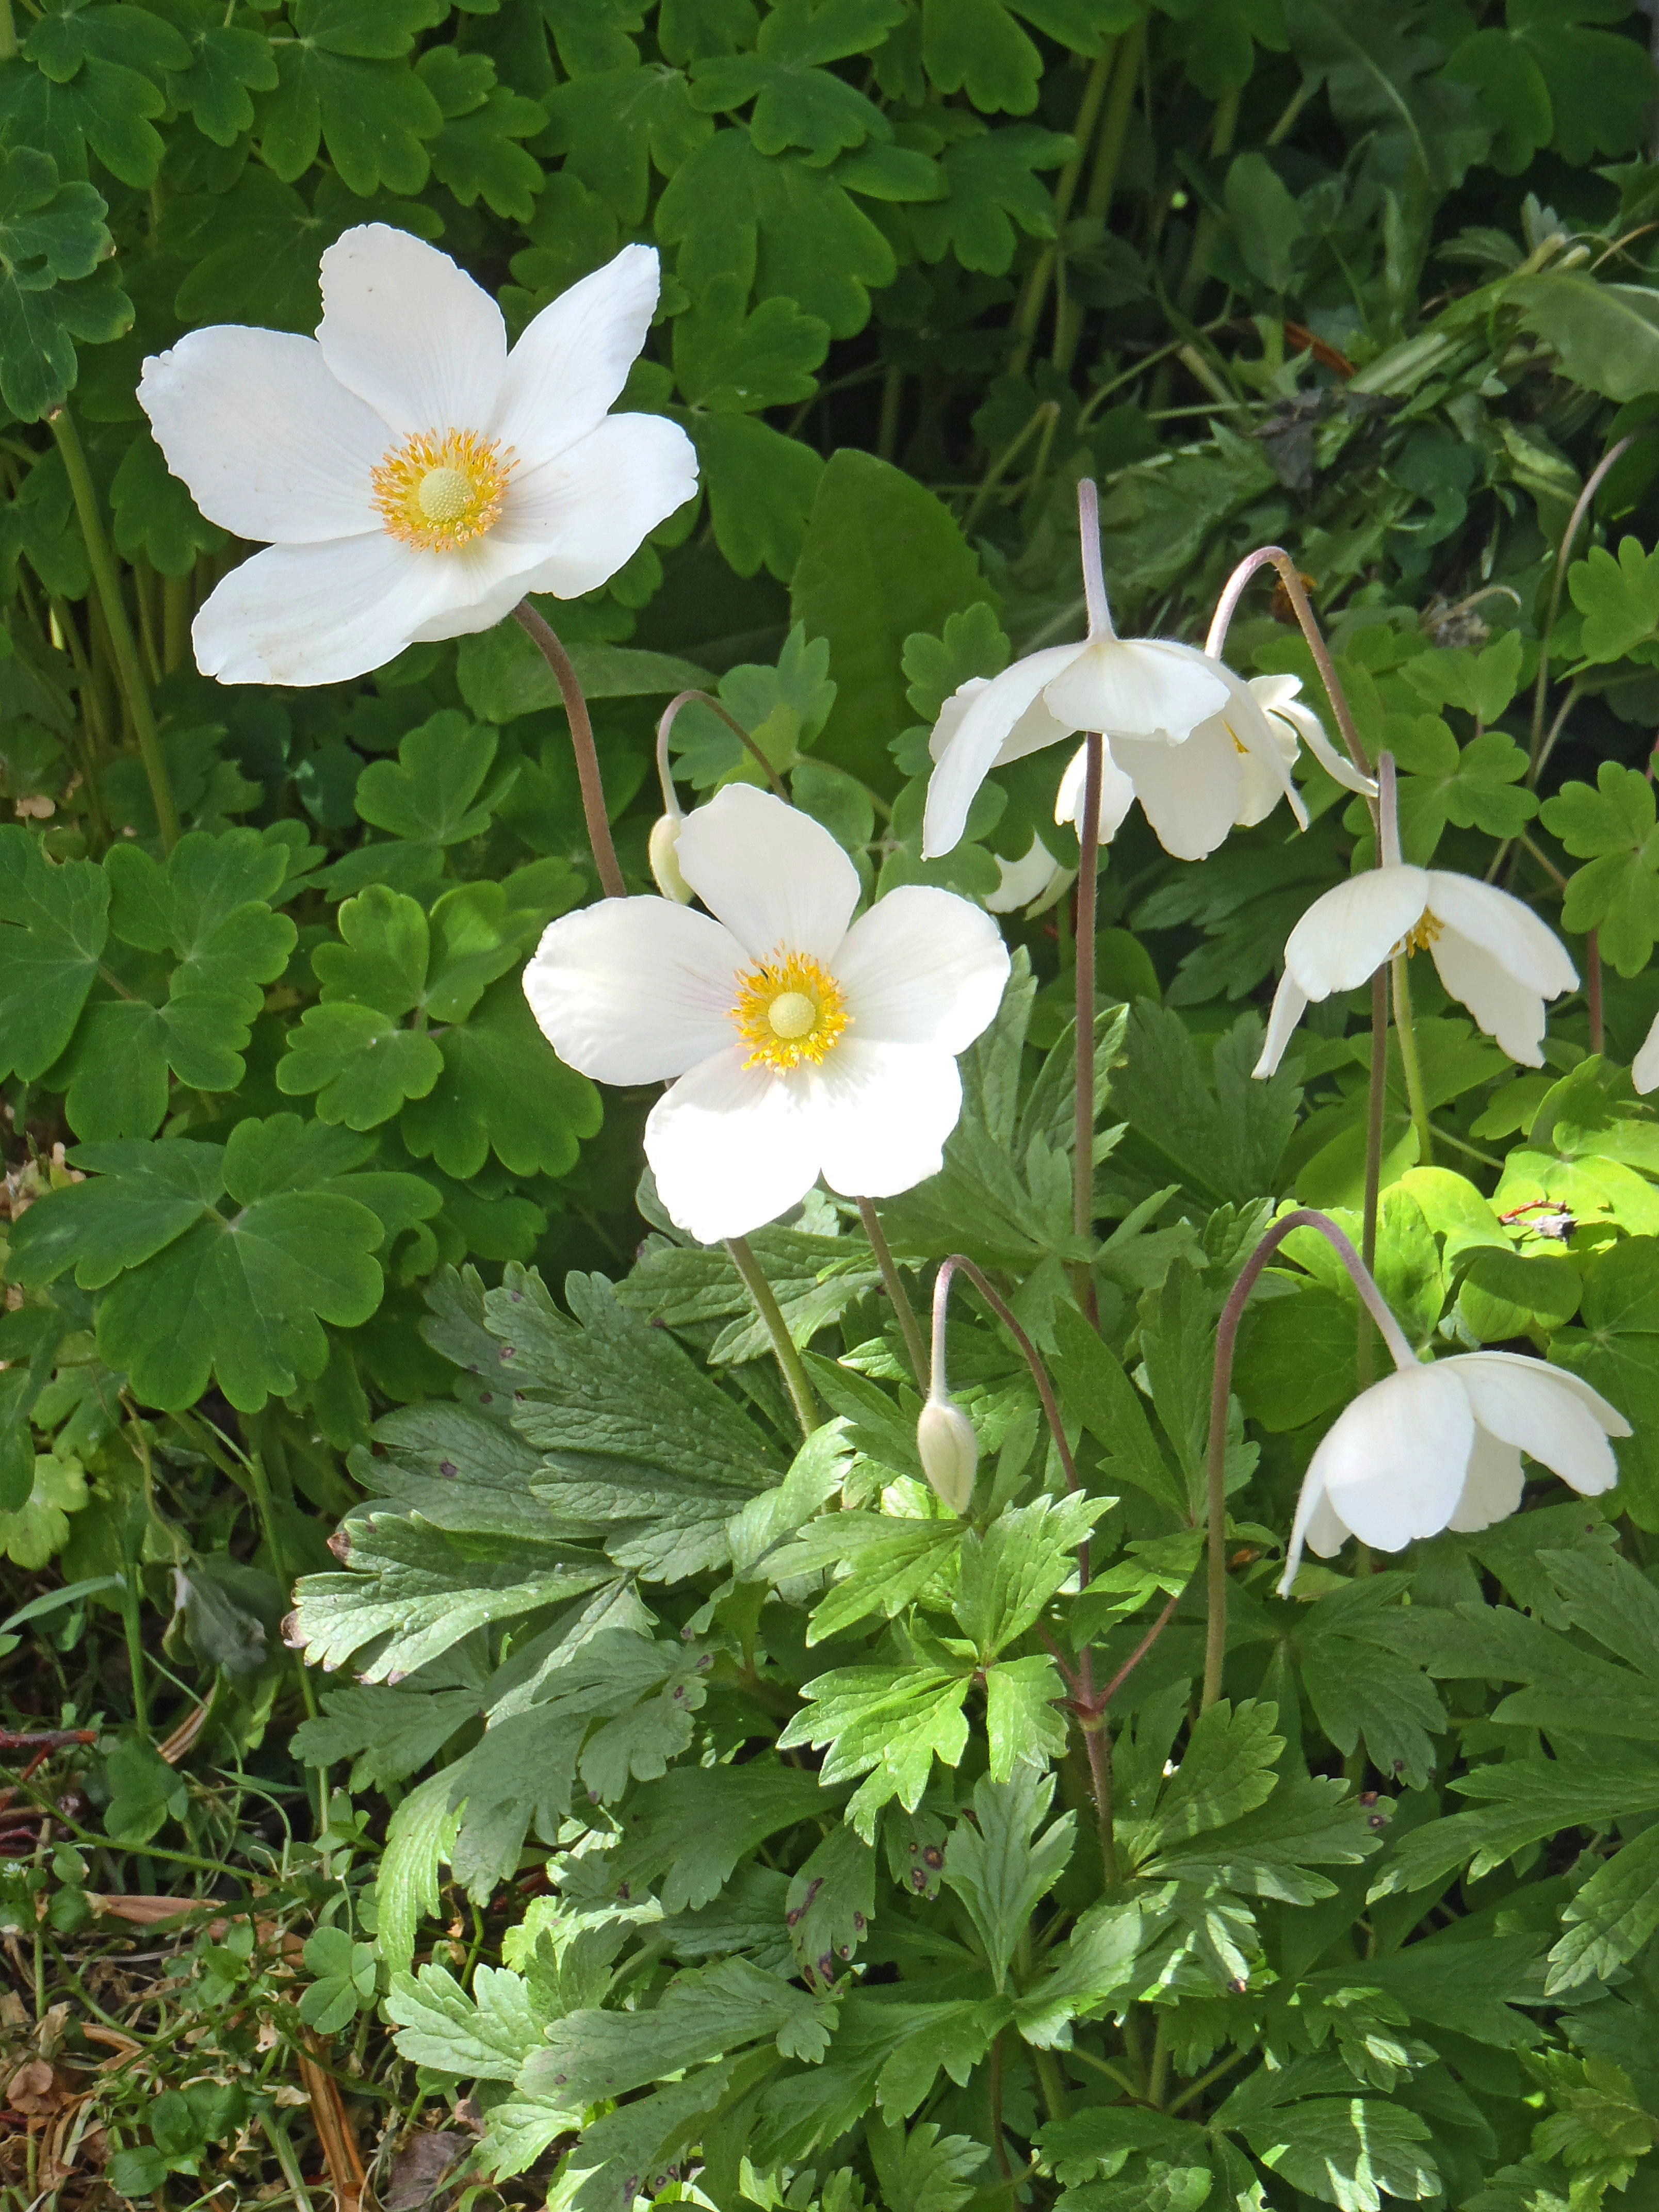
[
  {"x": 1493, "y": 954},
  {"x": 1439, "y": 1447},
  {"x": 411, "y": 478},
  {"x": 801, "y": 1047}
]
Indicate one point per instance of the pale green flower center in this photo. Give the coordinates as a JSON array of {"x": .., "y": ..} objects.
[
  {"x": 792, "y": 1013},
  {"x": 445, "y": 493}
]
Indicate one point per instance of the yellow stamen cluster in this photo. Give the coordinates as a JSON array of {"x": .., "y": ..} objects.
[
  {"x": 441, "y": 489},
  {"x": 789, "y": 1009},
  {"x": 1422, "y": 935}
]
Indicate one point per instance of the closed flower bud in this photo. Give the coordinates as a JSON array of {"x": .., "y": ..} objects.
[
  {"x": 948, "y": 1450},
  {"x": 665, "y": 860}
]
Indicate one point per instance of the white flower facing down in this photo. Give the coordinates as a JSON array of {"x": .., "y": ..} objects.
[
  {"x": 794, "y": 1046},
  {"x": 1037, "y": 877},
  {"x": 411, "y": 478},
  {"x": 1439, "y": 1447},
  {"x": 1493, "y": 954}
]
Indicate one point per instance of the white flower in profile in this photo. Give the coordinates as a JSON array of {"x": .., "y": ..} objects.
[
  {"x": 1439, "y": 1446},
  {"x": 794, "y": 1046},
  {"x": 1493, "y": 954},
  {"x": 1192, "y": 794},
  {"x": 411, "y": 478},
  {"x": 1034, "y": 880}
]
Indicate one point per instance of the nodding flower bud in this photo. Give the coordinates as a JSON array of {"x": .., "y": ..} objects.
[
  {"x": 664, "y": 864},
  {"x": 949, "y": 1451}
]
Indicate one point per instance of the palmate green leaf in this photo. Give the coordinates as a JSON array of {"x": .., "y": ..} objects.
[
  {"x": 343, "y": 84},
  {"x": 239, "y": 1292},
  {"x": 1346, "y": 2151},
  {"x": 998, "y": 1864},
  {"x": 1605, "y": 337},
  {"x": 634, "y": 1437},
  {"x": 992, "y": 186},
  {"x": 922, "y": 2170},
  {"x": 52, "y": 234},
  {"x": 503, "y": 1090},
  {"x": 1227, "y": 1769},
  {"x": 386, "y": 1734},
  {"x": 1517, "y": 1804},
  {"x": 1611, "y": 825},
  {"x": 976, "y": 47},
  {"x": 1271, "y": 1852},
  {"x": 1618, "y": 597},
  {"x": 154, "y": 518},
  {"x": 588, "y": 2055},
  {"x": 428, "y": 793},
  {"x": 413, "y": 1591},
  {"x": 814, "y": 1279},
  {"x": 1021, "y": 1724},
  {"x": 1612, "y": 1918},
  {"x": 55, "y": 925},
  {"x": 686, "y": 1835},
  {"x": 230, "y": 61},
  {"x": 88, "y": 82},
  {"x": 886, "y": 1722},
  {"x": 1222, "y": 1132},
  {"x": 760, "y": 487},
  {"x": 483, "y": 2036},
  {"x": 798, "y": 102},
  {"x": 476, "y": 153},
  {"x": 889, "y": 1561},
  {"x": 1008, "y": 1574},
  {"x": 362, "y": 1064},
  {"x": 614, "y": 127},
  {"x": 830, "y": 1902},
  {"x": 778, "y": 225},
  {"x": 735, "y": 361},
  {"x": 1357, "y": 1680}
]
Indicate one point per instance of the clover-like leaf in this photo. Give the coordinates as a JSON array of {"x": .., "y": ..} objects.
[{"x": 1611, "y": 825}]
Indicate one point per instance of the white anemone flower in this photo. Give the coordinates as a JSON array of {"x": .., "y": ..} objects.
[
  {"x": 1493, "y": 954},
  {"x": 794, "y": 1045},
  {"x": 1192, "y": 794},
  {"x": 410, "y": 478},
  {"x": 1439, "y": 1447},
  {"x": 1036, "y": 875}
]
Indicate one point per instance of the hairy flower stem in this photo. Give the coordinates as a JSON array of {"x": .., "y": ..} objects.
[
  {"x": 1364, "y": 1358},
  {"x": 1083, "y": 1159},
  {"x": 1389, "y": 856},
  {"x": 1276, "y": 556},
  {"x": 1227, "y": 1337},
  {"x": 545, "y": 639},
  {"x": 903, "y": 1312},
  {"x": 671, "y": 804},
  {"x": 122, "y": 647},
  {"x": 766, "y": 1305},
  {"x": 1537, "y": 748}
]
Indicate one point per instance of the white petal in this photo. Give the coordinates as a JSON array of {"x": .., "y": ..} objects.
[
  {"x": 1491, "y": 1488},
  {"x": 1189, "y": 793},
  {"x": 271, "y": 445},
  {"x": 1019, "y": 882},
  {"x": 1277, "y": 694},
  {"x": 731, "y": 1147},
  {"x": 977, "y": 745},
  {"x": 1645, "y": 1068},
  {"x": 922, "y": 967},
  {"x": 1506, "y": 928},
  {"x": 1348, "y": 932},
  {"x": 634, "y": 990},
  {"x": 317, "y": 614},
  {"x": 1317, "y": 1524},
  {"x": 1504, "y": 1007},
  {"x": 407, "y": 330},
  {"x": 951, "y": 715},
  {"x": 1247, "y": 724},
  {"x": 884, "y": 1113},
  {"x": 1140, "y": 687},
  {"x": 575, "y": 520},
  {"x": 1290, "y": 1004},
  {"x": 1395, "y": 1462},
  {"x": 1526, "y": 1403},
  {"x": 1273, "y": 694},
  {"x": 571, "y": 364},
  {"x": 773, "y": 875},
  {"x": 1117, "y": 793}
]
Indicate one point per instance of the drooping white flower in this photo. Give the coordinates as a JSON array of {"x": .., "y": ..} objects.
[
  {"x": 1493, "y": 954},
  {"x": 411, "y": 478},
  {"x": 794, "y": 1046},
  {"x": 949, "y": 1451},
  {"x": 1439, "y": 1446},
  {"x": 1192, "y": 794}
]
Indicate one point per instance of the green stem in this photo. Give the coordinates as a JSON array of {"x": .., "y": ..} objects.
[
  {"x": 1052, "y": 2082},
  {"x": 1044, "y": 411},
  {"x": 1408, "y": 1060},
  {"x": 1564, "y": 554},
  {"x": 1032, "y": 301},
  {"x": 1365, "y": 1351},
  {"x": 903, "y": 1312},
  {"x": 107, "y": 585},
  {"x": 258, "y": 1489},
  {"x": 1109, "y": 158},
  {"x": 994, "y": 2099},
  {"x": 1157, "y": 2081},
  {"x": 272, "y": 2124},
  {"x": 133, "y": 1629},
  {"x": 1097, "y": 1742},
  {"x": 789, "y": 1359},
  {"x": 176, "y": 620},
  {"x": 7, "y": 32}
]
